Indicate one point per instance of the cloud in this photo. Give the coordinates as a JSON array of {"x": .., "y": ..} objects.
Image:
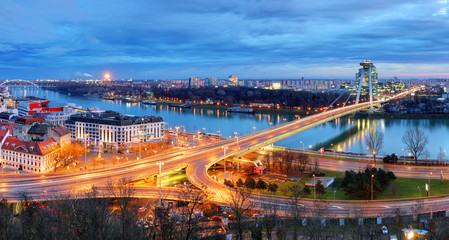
[{"x": 256, "y": 38}]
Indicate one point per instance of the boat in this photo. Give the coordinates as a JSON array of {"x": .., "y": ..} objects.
[
  {"x": 108, "y": 98},
  {"x": 240, "y": 110},
  {"x": 147, "y": 102},
  {"x": 185, "y": 105}
]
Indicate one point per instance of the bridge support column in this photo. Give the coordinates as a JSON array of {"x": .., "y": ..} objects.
[{"x": 370, "y": 91}]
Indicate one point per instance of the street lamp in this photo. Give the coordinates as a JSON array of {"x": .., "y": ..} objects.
[
  {"x": 160, "y": 182},
  {"x": 428, "y": 189},
  {"x": 74, "y": 167},
  {"x": 403, "y": 154},
  {"x": 302, "y": 145},
  {"x": 314, "y": 187},
  {"x": 224, "y": 156},
  {"x": 254, "y": 128},
  {"x": 372, "y": 177},
  {"x": 177, "y": 136},
  {"x": 140, "y": 144},
  {"x": 235, "y": 135},
  {"x": 85, "y": 150}
]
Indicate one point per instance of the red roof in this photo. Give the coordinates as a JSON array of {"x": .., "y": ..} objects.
[
  {"x": 61, "y": 130},
  {"x": 38, "y": 148},
  {"x": 28, "y": 120}
]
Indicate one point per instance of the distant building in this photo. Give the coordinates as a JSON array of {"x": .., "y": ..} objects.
[
  {"x": 194, "y": 82},
  {"x": 113, "y": 128},
  {"x": 39, "y": 132},
  {"x": 210, "y": 81},
  {"x": 234, "y": 80}
]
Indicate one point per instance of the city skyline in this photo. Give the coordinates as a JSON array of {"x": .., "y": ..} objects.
[{"x": 255, "y": 39}]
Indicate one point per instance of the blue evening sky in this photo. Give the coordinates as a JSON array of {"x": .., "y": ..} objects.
[{"x": 151, "y": 39}]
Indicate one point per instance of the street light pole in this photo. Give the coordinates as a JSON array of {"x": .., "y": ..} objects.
[
  {"x": 302, "y": 145},
  {"x": 403, "y": 154},
  {"x": 428, "y": 190},
  {"x": 140, "y": 144},
  {"x": 85, "y": 150},
  {"x": 224, "y": 158},
  {"x": 372, "y": 177},
  {"x": 254, "y": 128},
  {"x": 177, "y": 135},
  {"x": 160, "y": 182},
  {"x": 314, "y": 187}
]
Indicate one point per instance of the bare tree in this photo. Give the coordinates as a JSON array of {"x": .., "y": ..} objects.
[
  {"x": 240, "y": 204},
  {"x": 124, "y": 193},
  {"x": 415, "y": 141},
  {"x": 441, "y": 156},
  {"x": 270, "y": 220},
  {"x": 191, "y": 199},
  {"x": 297, "y": 210},
  {"x": 302, "y": 161},
  {"x": 288, "y": 162},
  {"x": 374, "y": 141}
]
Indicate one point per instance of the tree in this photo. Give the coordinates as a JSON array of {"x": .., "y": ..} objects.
[
  {"x": 305, "y": 191},
  {"x": 240, "y": 183},
  {"x": 288, "y": 161},
  {"x": 250, "y": 183},
  {"x": 320, "y": 189},
  {"x": 240, "y": 204},
  {"x": 261, "y": 184},
  {"x": 415, "y": 141},
  {"x": 272, "y": 187},
  {"x": 302, "y": 161},
  {"x": 124, "y": 193},
  {"x": 193, "y": 199},
  {"x": 441, "y": 156},
  {"x": 374, "y": 141}
]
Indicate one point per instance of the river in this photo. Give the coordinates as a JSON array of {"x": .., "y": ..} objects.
[{"x": 344, "y": 134}]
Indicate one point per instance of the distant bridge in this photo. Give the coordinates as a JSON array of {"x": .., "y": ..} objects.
[{"x": 6, "y": 82}]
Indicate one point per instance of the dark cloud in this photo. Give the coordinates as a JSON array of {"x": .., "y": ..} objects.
[{"x": 252, "y": 38}]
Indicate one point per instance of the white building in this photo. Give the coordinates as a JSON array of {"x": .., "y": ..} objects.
[
  {"x": 112, "y": 128},
  {"x": 29, "y": 156}
]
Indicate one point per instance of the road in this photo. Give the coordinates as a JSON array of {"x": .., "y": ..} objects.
[{"x": 198, "y": 160}]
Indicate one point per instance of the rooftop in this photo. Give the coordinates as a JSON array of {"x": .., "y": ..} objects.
[{"x": 112, "y": 118}]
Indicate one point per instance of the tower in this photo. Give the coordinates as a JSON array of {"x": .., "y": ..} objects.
[{"x": 366, "y": 79}]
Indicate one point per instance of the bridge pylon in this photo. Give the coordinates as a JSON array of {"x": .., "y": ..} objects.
[{"x": 365, "y": 78}]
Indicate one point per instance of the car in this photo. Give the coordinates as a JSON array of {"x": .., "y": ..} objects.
[
  {"x": 216, "y": 218},
  {"x": 393, "y": 237},
  {"x": 233, "y": 217},
  {"x": 258, "y": 216},
  {"x": 204, "y": 219},
  {"x": 384, "y": 230}
]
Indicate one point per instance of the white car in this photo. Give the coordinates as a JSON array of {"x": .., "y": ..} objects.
[{"x": 384, "y": 230}]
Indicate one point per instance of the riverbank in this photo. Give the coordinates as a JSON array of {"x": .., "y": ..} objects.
[
  {"x": 409, "y": 115},
  {"x": 294, "y": 111}
]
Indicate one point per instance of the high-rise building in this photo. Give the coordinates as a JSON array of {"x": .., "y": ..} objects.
[
  {"x": 210, "y": 81},
  {"x": 194, "y": 82},
  {"x": 234, "y": 80},
  {"x": 366, "y": 74}
]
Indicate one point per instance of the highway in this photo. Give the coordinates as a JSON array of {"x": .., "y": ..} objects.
[{"x": 198, "y": 160}]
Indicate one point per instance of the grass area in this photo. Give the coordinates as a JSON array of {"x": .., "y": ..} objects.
[{"x": 407, "y": 188}]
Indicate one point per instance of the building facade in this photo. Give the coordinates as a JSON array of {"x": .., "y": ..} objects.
[
  {"x": 29, "y": 156},
  {"x": 112, "y": 128}
]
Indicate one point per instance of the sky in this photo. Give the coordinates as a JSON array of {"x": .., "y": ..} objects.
[{"x": 253, "y": 39}]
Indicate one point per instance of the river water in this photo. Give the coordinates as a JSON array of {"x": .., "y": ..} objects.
[{"x": 344, "y": 134}]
